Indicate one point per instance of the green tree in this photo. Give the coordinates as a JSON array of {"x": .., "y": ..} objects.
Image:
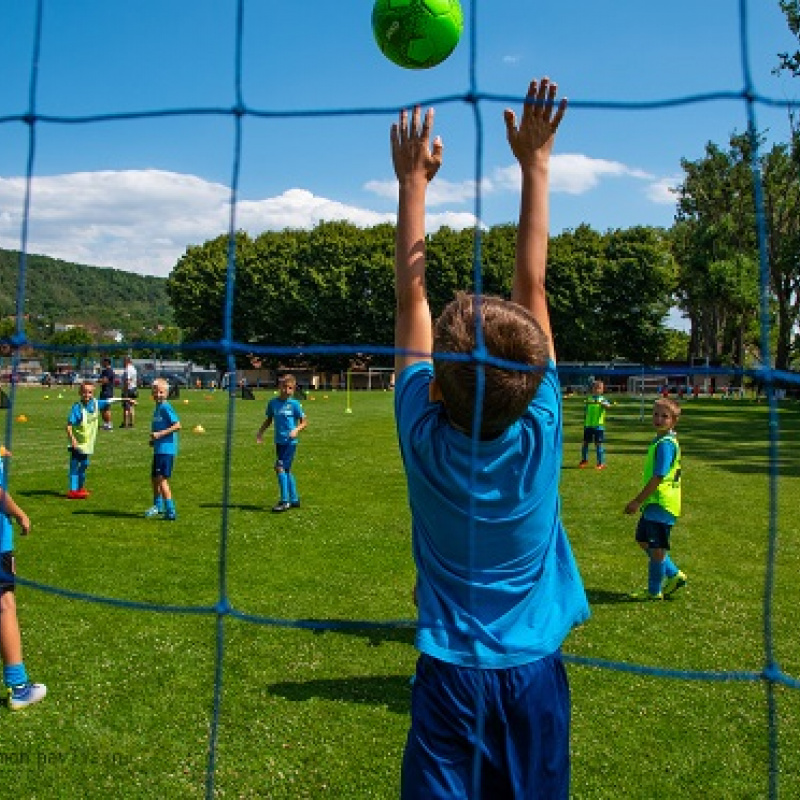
[
  {"x": 790, "y": 62},
  {"x": 75, "y": 343},
  {"x": 715, "y": 224}
]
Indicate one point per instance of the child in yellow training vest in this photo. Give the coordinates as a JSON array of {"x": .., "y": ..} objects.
[
  {"x": 594, "y": 425},
  {"x": 660, "y": 502}
]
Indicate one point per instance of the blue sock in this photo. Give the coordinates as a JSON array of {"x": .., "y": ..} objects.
[
  {"x": 283, "y": 483},
  {"x": 15, "y": 674},
  {"x": 585, "y": 453},
  {"x": 655, "y": 576},
  {"x": 74, "y": 466},
  {"x": 170, "y": 506},
  {"x": 601, "y": 455},
  {"x": 158, "y": 502},
  {"x": 670, "y": 570},
  {"x": 293, "y": 498}
]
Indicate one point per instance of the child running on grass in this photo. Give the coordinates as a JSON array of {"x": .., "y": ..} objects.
[
  {"x": 497, "y": 586},
  {"x": 660, "y": 504},
  {"x": 20, "y": 691},
  {"x": 164, "y": 441}
]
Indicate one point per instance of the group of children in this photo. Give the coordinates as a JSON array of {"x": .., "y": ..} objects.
[
  {"x": 83, "y": 422},
  {"x": 659, "y": 499},
  {"x": 82, "y": 425},
  {"x": 497, "y": 587}
]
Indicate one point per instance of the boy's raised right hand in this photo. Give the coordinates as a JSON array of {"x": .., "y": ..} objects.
[{"x": 411, "y": 152}]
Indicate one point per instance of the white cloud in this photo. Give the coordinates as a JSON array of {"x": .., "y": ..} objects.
[
  {"x": 662, "y": 192},
  {"x": 440, "y": 192},
  {"x": 574, "y": 173},
  {"x": 142, "y": 221}
]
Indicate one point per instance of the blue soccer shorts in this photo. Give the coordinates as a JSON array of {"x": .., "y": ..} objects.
[
  {"x": 284, "y": 455},
  {"x": 524, "y": 744},
  {"x": 594, "y": 436},
  {"x": 656, "y": 534},
  {"x": 7, "y": 579},
  {"x": 162, "y": 465}
]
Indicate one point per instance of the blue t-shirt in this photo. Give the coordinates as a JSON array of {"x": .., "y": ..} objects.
[
  {"x": 107, "y": 388},
  {"x": 164, "y": 417},
  {"x": 666, "y": 453},
  {"x": 286, "y": 416},
  {"x": 6, "y": 531},
  {"x": 497, "y": 584}
]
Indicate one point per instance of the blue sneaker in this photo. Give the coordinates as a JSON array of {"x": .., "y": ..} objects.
[
  {"x": 25, "y": 695},
  {"x": 170, "y": 516},
  {"x": 153, "y": 511}
]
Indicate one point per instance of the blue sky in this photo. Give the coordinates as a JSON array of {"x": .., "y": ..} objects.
[{"x": 133, "y": 194}]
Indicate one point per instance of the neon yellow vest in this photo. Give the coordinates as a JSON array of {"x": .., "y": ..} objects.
[
  {"x": 595, "y": 413},
  {"x": 85, "y": 433},
  {"x": 668, "y": 493}
]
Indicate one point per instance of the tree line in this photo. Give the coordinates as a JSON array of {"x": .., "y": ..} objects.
[{"x": 334, "y": 285}]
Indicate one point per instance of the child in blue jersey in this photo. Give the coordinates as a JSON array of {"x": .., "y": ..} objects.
[
  {"x": 594, "y": 425},
  {"x": 497, "y": 587},
  {"x": 164, "y": 441},
  {"x": 289, "y": 417},
  {"x": 660, "y": 504},
  {"x": 20, "y": 691},
  {"x": 82, "y": 424}
]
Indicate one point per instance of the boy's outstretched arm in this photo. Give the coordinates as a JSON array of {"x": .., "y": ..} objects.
[
  {"x": 415, "y": 164},
  {"x": 532, "y": 144},
  {"x": 11, "y": 509}
]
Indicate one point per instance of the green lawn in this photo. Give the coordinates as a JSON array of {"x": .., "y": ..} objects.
[{"x": 309, "y": 712}]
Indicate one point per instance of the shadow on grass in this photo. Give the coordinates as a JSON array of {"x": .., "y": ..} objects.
[
  {"x": 602, "y": 597},
  {"x": 111, "y": 513},
  {"x": 239, "y": 506},
  {"x": 374, "y": 636},
  {"x": 392, "y": 692},
  {"x": 40, "y": 493}
]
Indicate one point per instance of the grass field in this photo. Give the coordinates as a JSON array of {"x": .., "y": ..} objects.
[{"x": 309, "y": 712}]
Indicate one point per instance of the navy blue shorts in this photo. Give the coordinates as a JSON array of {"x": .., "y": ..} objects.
[
  {"x": 162, "y": 465},
  {"x": 524, "y": 749},
  {"x": 656, "y": 534},
  {"x": 284, "y": 455},
  {"x": 7, "y": 581},
  {"x": 593, "y": 435}
]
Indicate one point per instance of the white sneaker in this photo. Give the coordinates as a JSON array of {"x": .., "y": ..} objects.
[{"x": 25, "y": 695}]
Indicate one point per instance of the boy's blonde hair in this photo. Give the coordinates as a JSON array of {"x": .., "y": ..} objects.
[
  {"x": 162, "y": 383},
  {"x": 288, "y": 379},
  {"x": 672, "y": 408},
  {"x": 510, "y": 333}
]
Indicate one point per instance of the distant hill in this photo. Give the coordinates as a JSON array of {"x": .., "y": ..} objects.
[{"x": 99, "y": 298}]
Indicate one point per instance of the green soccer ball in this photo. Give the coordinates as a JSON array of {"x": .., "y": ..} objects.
[{"x": 417, "y": 34}]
